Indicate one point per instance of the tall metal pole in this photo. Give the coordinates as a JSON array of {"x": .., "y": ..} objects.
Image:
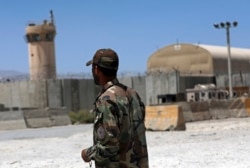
[
  {"x": 227, "y": 26},
  {"x": 229, "y": 64}
]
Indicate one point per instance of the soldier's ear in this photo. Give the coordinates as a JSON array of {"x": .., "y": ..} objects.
[{"x": 94, "y": 68}]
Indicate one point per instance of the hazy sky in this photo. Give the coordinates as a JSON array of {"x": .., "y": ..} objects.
[{"x": 134, "y": 28}]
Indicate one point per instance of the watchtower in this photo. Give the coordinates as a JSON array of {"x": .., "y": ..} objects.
[{"x": 41, "y": 49}]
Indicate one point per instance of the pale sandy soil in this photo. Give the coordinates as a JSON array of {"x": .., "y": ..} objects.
[{"x": 214, "y": 143}]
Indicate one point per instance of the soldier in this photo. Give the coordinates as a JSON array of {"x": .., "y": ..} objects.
[{"x": 119, "y": 130}]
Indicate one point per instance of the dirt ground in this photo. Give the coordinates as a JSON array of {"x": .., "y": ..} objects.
[{"x": 211, "y": 143}]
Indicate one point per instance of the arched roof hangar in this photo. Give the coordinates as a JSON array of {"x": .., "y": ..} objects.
[{"x": 199, "y": 60}]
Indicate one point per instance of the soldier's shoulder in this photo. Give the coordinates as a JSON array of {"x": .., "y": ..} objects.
[{"x": 112, "y": 93}]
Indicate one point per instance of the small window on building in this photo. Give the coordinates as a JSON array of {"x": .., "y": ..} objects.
[
  {"x": 214, "y": 95},
  {"x": 49, "y": 36},
  {"x": 197, "y": 98},
  {"x": 209, "y": 95},
  {"x": 37, "y": 37},
  {"x": 27, "y": 38},
  {"x": 34, "y": 37}
]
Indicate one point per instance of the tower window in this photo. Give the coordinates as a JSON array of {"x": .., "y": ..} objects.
[
  {"x": 39, "y": 37},
  {"x": 36, "y": 37},
  {"x": 49, "y": 36},
  {"x": 27, "y": 38},
  {"x": 33, "y": 38}
]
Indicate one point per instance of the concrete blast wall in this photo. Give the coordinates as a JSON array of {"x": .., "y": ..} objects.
[
  {"x": 160, "y": 84},
  {"x": 24, "y": 94},
  {"x": 215, "y": 109},
  {"x": 74, "y": 94},
  {"x": 239, "y": 79}
]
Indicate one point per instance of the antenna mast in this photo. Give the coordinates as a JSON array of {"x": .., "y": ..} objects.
[{"x": 51, "y": 17}]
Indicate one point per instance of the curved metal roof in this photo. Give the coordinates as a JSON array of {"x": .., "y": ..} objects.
[
  {"x": 222, "y": 52},
  {"x": 191, "y": 59}
]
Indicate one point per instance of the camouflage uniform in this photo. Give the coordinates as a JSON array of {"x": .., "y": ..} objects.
[{"x": 119, "y": 130}]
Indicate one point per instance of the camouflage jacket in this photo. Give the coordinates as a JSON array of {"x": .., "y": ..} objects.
[{"x": 119, "y": 130}]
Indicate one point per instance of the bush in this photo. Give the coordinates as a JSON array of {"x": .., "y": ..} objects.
[{"x": 82, "y": 116}]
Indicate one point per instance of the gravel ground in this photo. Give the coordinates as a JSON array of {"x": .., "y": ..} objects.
[{"x": 211, "y": 143}]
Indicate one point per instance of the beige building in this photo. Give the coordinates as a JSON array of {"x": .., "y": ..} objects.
[
  {"x": 199, "y": 60},
  {"x": 175, "y": 70}
]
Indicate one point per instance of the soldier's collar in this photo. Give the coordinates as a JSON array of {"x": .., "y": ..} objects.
[{"x": 110, "y": 83}]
